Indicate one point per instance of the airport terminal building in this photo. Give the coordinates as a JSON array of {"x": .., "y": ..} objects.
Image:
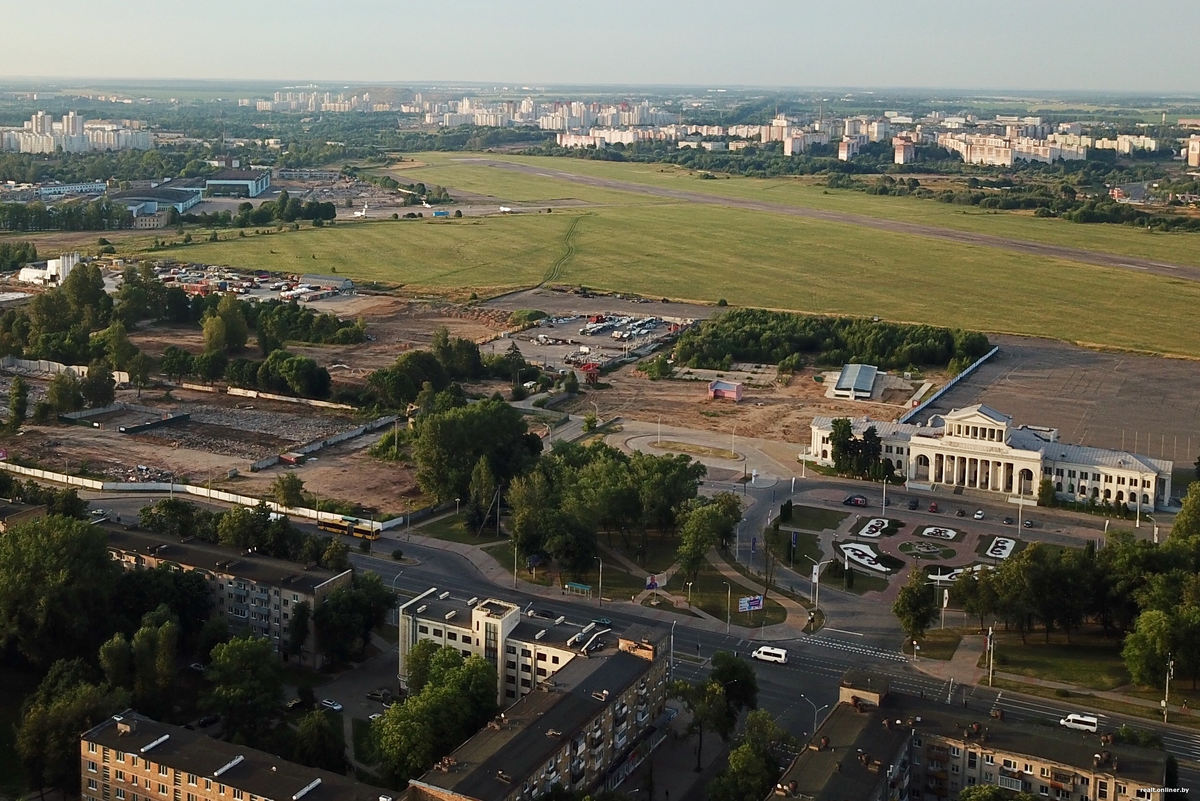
[{"x": 979, "y": 448}]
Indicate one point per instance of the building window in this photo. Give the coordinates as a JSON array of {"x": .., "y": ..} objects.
[
  {"x": 554, "y": 660},
  {"x": 525, "y": 652},
  {"x": 91, "y": 766},
  {"x": 450, "y": 635},
  {"x": 510, "y": 679},
  {"x": 510, "y": 649},
  {"x": 541, "y": 671},
  {"x": 465, "y": 653},
  {"x": 1043, "y": 790},
  {"x": 423, "y": 629},
  {"x": 119, "y": 775},
  {"x": 510, "y": 694},
  {"x": 541, "y": 657},
  {"x": 237, "y": 794},
  {"x": 1011, "y": 764},
  {"x": 120, "y": 794},
  {"x": 988, "y": 759},
  {"x": 972, "y": 759},
  {"x": 525, "y": 668},
  {"x": 437, "y": 632},
  {"x": 524, "y": 682},
  {"x": 1101, "y": 789},
  {"x": 92, "y": 784},
  {"x": 511, "y": 664},
  {"x": 1045, "y": 772}
]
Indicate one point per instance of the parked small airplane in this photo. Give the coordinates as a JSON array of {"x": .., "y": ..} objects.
[
  {"x": 505, "y": 210},
  {"x": 362, "y": 213}
]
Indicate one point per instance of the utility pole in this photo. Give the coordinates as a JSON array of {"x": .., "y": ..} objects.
[
  {"x": 1167, "y": 688},
  {"x": 600, "y": 595},
  {"x": 728, "y": 600},
  {"x": 991, "y": 648}
]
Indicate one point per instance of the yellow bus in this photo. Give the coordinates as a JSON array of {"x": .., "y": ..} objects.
[{"x": 349, "y": 526}]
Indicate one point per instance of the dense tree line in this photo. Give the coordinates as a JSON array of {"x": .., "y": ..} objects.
[
  {"x": 856, "y": 456},
  {"x": 1147, "y": 593},
  {"x": 95, "y": 215},
  {"x": 449, "y": 699},
  {"x": 785, "y": 339},
  {"x": 15, "y": 255},
  {"x": 575, "y": 491}
]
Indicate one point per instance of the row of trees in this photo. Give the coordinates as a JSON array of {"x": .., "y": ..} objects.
[
  {"x": 14, "y": 255},
  {"x": 786, "y": 339},
  {"x": 96, "y": 215},
  {"x": 1146, "y": 592},
  {"x": 856, "y": 456},
  {"x": 449, "y": 359},
  {"x": 450, "y": 698}
]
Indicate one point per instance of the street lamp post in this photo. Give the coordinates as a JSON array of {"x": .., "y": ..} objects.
[
  {"x": 456, "y": 505},
  {"x": 728, "y": 599},
  {"x": 816, "y": 598},
  {"x": 600, "y": 592},
  {"x": 689, "y": 586},
  {"x": 816, "y": 711}
]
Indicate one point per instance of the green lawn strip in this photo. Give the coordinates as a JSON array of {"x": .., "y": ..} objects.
[
  {"x": 710, "y": 594},
  {"x": 813, "y": 518},
  {"x": 937, "y": 644},
  {"x": 694, "y": 450},
  {"x": 810, "y": 193},
  {"x": 911, "y": 549},
  {"x": 799, "y": 559},
  {"x": 864, "y": 581},
  {"x": 17, "y": 685},
  {"x": 844, "y": 269},
  {"x": 364, "y": 742},
  {"x": 1095, "y": 702},
  {"x": 665, "y": 604},
  {"x": 502, "y": 552},
  {"x": 453, "y": 528},
  {"x": 655, "y": 555},
  {"x": 1089, "y": 661}
]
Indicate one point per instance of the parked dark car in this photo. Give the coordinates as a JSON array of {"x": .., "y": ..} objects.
[
  {"x": 208, "y": 720},
  {"x": 913, "y": 504},
  {"x": 960, "y": 513},
  {"x": 933, "y": 507},
  {"x": 1008, "y": 521},
  {"x": 855, "y": 500}
]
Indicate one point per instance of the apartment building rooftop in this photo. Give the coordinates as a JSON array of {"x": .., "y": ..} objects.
[
  {"x": 530, "y": 732},
  {"x": 214, "y": 558},
  {"x": 236, "y": 766}
]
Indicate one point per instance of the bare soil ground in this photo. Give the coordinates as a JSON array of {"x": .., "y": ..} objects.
[{"x": 774, "y": 412}]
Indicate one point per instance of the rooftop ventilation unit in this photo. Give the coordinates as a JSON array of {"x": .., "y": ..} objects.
[
  {"x": 444, "y": 595},
  {"x": 154, "y": 744},
  {"x": 237, "y": 760},
  {"x": 474, "y": 600},
  {"x": 451, "y": 614},
  {"x": 540, "y": 635},
  {"x": 422, "y": 608},
  {"x": 308, "y": 788}
]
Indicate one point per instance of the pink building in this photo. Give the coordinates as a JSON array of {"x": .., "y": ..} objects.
[{"x": 725, "y": 390}]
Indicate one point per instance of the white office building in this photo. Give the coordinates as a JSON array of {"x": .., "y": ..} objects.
[{"x": 979, "y": 448}]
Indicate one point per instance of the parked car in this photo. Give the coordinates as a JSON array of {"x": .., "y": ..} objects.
[
  {"x": 960, "y": 513},
  {"x": 1008, "y": 521},
  {"x": 913, "y": 504},
  {"x": 547, "y": 614},
  {"x": 602, "y": 621},
  {"x": 933, "y": 507},
  {"x": 329, "y": 703},
  {"x": 208, "y": 720},
  {"x": 978, "y": 514},
  {"x": 382, "y": 694},
  {"x": 375, "y": 717},
  {"x": 199, "y": 668},
  {"x": 1027, "y": 524},
  {"x": 855, "y": 500}
]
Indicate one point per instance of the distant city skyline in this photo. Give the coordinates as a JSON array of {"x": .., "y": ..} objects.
[{"x": 1098, "y": 46}]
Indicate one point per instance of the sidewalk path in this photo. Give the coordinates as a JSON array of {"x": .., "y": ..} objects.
[
  {"x": 797, "y": 614},
  {"x": 963, "y": 666}
]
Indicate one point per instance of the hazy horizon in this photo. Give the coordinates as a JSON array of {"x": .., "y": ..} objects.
[{"x": 1022, "y": 46}]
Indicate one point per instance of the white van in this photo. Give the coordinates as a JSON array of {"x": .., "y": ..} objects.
[
  {"x": 1080, "y": 722},
  {"x": 769, "y": 654}
]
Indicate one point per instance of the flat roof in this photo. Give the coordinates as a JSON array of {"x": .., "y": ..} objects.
[
  {"x": 218, "y": 559},
  {"x": 237, "y": 175},
  {"x": 538, "y": 726},
  {"x": 160, "y": 194},
  {"x": 856, "y": 377},
  {"x": 257, "y": 772}
]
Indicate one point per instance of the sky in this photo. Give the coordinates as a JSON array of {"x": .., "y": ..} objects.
[{"x": 1045, "y": 45}]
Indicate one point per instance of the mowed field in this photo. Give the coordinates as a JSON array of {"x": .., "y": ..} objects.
[
  {"x": 807, "y": 192},
  {"x": 696, "y": 252}
]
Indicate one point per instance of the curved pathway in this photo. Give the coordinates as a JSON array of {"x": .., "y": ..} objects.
[{"x": 1092, "y": 257}]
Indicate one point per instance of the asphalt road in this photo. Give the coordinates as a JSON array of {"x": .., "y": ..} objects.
[
  {"x": 795, "y": 693},
  {"x": 891, "y": 226}
]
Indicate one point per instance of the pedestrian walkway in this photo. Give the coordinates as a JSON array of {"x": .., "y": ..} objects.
[{"x": 797, "y": 614}]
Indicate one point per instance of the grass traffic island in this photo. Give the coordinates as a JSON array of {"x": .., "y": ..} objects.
[
  {"x": 806, "y": 551},
  {"x": 891, "y": 527},
  {"x": 696, "y": 450},
  {"x": 937, "y": 644},
  {"x": 814, "y": 518},
  {"x": 947, "y": 533},
  {"x": 1090, "y": 661},
  {"x": 926, "y": 550},
  {"x": 710, "y": 595},
  {"x": 986, "y": 541}
]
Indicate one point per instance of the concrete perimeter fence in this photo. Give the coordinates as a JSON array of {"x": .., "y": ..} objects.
[
  {"x": 254, "y": 393},
  {"x": 911, "y": 413},
  {"x": 212, "y": 495},
  {"x": 318, "y": 444},
  {"x": 42, "y": 367}
]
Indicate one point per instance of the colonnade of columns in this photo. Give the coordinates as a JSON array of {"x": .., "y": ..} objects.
[{"x": 973, "y": 472}]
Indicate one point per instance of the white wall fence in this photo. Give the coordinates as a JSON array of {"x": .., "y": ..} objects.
[
  {"x": 254, "y": 393},
  {"x": 911, "y": 413},
  {"x": 318, "y": 444},
  {"x": 43, "y": 367}
]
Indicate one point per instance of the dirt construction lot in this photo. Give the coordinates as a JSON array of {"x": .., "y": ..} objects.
[
  {"x": 223, "y": 436},
  {"x": 773, "y": 412}
]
